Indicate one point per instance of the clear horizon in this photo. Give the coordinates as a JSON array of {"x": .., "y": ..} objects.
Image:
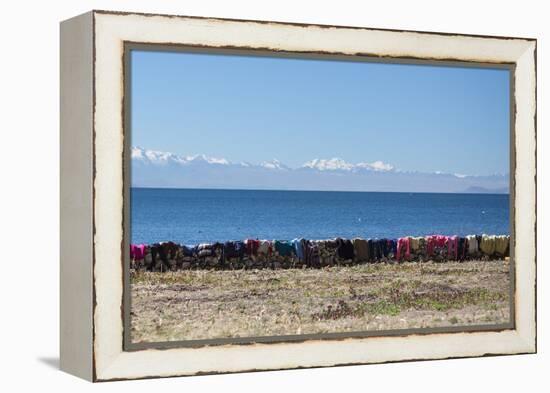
[{"x": 265, "y": 189}]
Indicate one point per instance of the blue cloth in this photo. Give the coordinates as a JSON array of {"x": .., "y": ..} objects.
[
  {"x": 392, "y": 246},
  {"x": 299, "y": 247}
]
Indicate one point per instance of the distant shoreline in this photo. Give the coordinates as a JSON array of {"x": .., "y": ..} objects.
[{"x": 340, "y": 191}]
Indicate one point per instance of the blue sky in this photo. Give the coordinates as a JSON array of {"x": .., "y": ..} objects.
[{"x": 243, "y": 108}]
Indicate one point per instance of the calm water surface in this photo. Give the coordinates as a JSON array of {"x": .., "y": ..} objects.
[{"x": 193, "y": 216}]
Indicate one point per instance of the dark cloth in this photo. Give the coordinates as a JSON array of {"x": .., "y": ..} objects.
[
  {"x": 311, "y": 254},
  {"x": 217, "y": 249},
  {"x": 345, "y": 248},
  {"x": 384, "y": 247},
  {"x": 361, "y": 247},
  {"x": 170, "y": 249},
  {"x": 462, "y": 248},
  {"x": 375, "y": 248},
  {"x": 155, "y": 256},
  {"x": 187, "y": 251},
  {"x": 331, "y": 245},
  {"x": 328, "y": 252},
  {"x": 160, "y": 253},
  {"x": 233, "y": 250},
  {"x": 392, "y": 246},
  {"x": 374, "y": 251}
]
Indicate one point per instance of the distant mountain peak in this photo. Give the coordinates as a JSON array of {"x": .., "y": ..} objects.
[
  {"x": 274, "y": 164},
  {"x": 209, "y": 160},
  {"x": 338, "y": 164},
  {"x": 161, "y": 157},
  {"x": 376, "y": 166},
  {"x": 332, "y": 164}
]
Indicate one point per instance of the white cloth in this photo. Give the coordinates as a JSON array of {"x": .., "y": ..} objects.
[
  {"x": 473, "y": 247},
  {"x": 264, "y": 247}
]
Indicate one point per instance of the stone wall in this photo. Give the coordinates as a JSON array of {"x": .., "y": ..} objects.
[{"x": 302, "y": 253}]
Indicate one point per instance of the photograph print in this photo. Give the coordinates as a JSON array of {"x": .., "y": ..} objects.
[{"x": 276, "y": 198}]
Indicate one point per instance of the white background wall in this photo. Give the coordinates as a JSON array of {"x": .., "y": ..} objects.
[{"x": 29, "y": 146}]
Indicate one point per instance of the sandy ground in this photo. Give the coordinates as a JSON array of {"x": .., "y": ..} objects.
[{"x": 205, "y": 304}]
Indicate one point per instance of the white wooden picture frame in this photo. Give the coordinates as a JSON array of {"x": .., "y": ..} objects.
[{"x": 93, "y": 204}]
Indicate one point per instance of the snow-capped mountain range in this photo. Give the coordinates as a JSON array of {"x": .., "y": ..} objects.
[
  {"x": 163, "y": 169},
  {"x": 164, "y": 158}
]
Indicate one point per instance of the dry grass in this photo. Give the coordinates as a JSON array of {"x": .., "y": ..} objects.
[{"x": 205, "y": 304}]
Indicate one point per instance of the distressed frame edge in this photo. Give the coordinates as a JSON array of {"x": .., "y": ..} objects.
[
  {"x": 76, "y": 196},
  {"x": 527, "y": 340},
  {"x": 526, "y": 133},
  {"x": 305, "y": 24}
]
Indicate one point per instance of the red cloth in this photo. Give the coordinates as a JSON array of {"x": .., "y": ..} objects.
[
  {"x": 252, "y": 246},
  {"x": 435, "y": 241},
  {"x": 452, "y": 247},
  {"x": 403, "y": 247}
]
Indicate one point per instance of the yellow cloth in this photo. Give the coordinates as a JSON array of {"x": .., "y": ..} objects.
[
  {"x": 488, "y": 244},
  {"x": 415, "y": 244},
  {"x": 501, "y": 244}
]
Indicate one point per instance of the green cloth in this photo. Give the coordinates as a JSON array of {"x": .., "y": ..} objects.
[{"x": 284, "y": 248}]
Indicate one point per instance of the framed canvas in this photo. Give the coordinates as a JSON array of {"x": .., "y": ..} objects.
[{"x": 243, "y": 195}]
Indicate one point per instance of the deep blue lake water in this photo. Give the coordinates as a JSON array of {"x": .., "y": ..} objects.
[{"x": 192, "y": 216}]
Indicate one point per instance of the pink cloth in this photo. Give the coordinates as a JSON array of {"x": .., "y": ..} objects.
[
  {"x": 137, "y": 251},
  {"x": 452, "y": 247},
  {"x": 403, "y": 247}
]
